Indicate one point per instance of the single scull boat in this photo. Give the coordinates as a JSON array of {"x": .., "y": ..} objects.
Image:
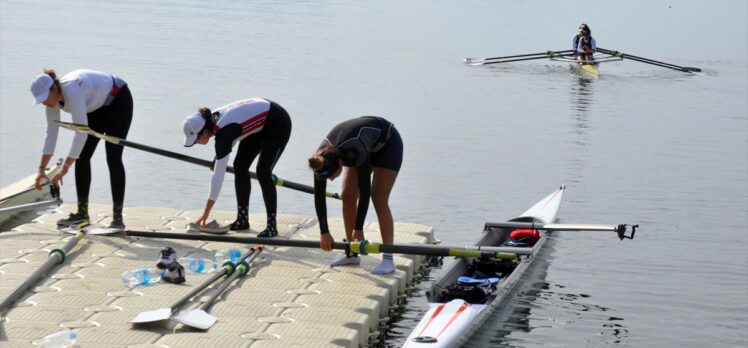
[{"x": 471, "y": 289}]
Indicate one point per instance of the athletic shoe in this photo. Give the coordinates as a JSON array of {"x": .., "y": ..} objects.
[
  {"x": 73, "y": 219},
  {"x": 239, "y": 225},
  {"x": 174, "y": 274},
  {"x": 213, "y": 227},
  {"x": 386, "y": 267},
  {"x": 346, "y": 260},
  {"x": 168, "y": 256},
  {"x": 191, "y": 227}
]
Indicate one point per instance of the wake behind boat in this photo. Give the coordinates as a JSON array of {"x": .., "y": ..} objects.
[{"x": 472, "y": 288}]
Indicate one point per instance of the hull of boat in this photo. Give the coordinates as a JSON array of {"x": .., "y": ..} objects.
[
  {"x": 452, "y": 323},
  {"x": 589, "y": 70},
  {"x": 19, "y": 193}
]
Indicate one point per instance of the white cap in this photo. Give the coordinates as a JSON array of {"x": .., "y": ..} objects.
[
  {"x": 193, "y": 124},
  {"x": 40, "y": 88}
]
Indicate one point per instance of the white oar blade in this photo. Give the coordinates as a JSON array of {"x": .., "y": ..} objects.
[
  {"x": 105, "y": 230},
  {"x": 196, "y": 318},
  {"x": 152, "y": 316}
]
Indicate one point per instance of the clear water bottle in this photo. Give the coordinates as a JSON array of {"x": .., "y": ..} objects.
[
  {"x": 233, "y": 255},
  {"x": 142, "y": 276},
  {"x": 198, "y": 265},
  {"x": 64, "y": 338}
]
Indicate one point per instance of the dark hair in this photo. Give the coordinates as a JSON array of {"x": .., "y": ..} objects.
[
  {"x": 325, "y": 161},
  {"x": 209, "y": 120},
  {"x": 585, "y": 28},
  {"x": 53, "y": 75}
]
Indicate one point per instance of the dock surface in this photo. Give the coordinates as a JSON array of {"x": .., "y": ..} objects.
[{"x": 290, "y": 298}]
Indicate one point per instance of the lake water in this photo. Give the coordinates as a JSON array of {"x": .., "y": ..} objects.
[{"x": 643, "y": 144}]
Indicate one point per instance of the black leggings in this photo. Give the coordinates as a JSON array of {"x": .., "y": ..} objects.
[
  {"x": 113, "y": 119},
  {"x": 269, "y": 144}
]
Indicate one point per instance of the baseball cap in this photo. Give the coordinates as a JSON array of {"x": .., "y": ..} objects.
[
  {"x": 193, "y": 124},
  {"x": 40, "y": 88}
]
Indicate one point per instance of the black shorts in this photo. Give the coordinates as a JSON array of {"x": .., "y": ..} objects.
[{"x": 391, "y": 155}]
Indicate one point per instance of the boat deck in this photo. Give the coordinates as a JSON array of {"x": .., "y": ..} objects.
[{"x": 290, "y": 298}]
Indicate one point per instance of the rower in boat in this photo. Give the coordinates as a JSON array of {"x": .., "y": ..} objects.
[
  {"x": 584, "y": 45},
  {"x": 372, "y": 151},
  {"x": 261, "y": 127},
  {"x": 103, "y": 102}
]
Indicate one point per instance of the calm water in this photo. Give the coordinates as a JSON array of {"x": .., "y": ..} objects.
[{"x": 640, "y": 145}]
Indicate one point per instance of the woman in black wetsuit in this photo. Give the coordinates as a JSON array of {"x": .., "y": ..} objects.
[{"x": 372, "y": 151}]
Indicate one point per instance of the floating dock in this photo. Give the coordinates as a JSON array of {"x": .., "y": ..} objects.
[{"x": 290, "y": 298}]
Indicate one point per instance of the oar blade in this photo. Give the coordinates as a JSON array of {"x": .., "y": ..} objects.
[
  {"x": 105, "y": 230},
  {"x": 152, "y": 316},
  {"x": 93, "y": 231},
  {"x": 196, "y": 318},
  {"x": 474, "y": 61}
]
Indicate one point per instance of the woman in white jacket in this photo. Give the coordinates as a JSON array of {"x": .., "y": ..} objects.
[{"x": 104, "y": 103}]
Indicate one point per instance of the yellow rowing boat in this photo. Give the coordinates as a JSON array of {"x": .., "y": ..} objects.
[{"x": 587, "y": 69}]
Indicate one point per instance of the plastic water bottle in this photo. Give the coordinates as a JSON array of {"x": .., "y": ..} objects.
[
  {"x": 64, "y": 338},
  {"x": 198, "y": 265},
  {"x": 233, "y": 255},
  {"x": 142, "y": 276}
]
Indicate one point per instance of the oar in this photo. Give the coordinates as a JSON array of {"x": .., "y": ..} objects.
[
  {"x": 360, "y": 247},
  {"x": 30, "y": 206},
  {"x": 200, "y": 318},
  {"x": 516, "y": 58},
  {"x": 165, "y": 313},
  {"x": 119, "y": 141},
  {"x": 649, "y": 61},
  {"x": 619, "y": 229},
  {"x": 56, "y": 256}
]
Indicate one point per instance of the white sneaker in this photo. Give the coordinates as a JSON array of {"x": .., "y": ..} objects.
[
  {"x": 386, "y": 267},
  {"x": 214, "y": 227},
  {"x": 345, "y": 260}
]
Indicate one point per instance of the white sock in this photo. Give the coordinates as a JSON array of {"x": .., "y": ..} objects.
[
  {"x": 345, "y": 260},
  {"x": 386, "y": 266}
]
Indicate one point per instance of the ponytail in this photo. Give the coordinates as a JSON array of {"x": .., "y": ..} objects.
[
  {"x": 209, "y": 119},
  {"x": 53, "y": 75}
]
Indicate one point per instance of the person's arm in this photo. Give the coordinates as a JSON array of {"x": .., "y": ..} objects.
[
  {"x": 216, "y": 182},
  {"x": 76, "y": 101},
  {"x": 48, "y": 149},
  {"x": 575, "y": 44},
  {"x": 364, "y": 195},
  {"x": 50, "y": 139},
  {"x": 593, "y": 45},
  {"x": 224, "y": 143},
  {"x": 320, "y": 205}
]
